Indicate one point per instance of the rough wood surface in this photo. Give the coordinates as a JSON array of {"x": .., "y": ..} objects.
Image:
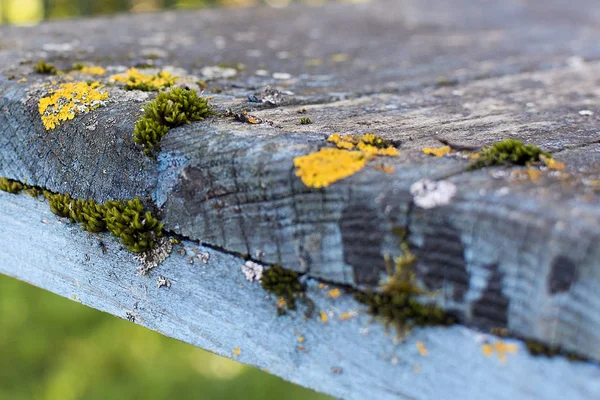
[
  {"x": 507, "y": 252},
  {"x": 211, "y": 305}
]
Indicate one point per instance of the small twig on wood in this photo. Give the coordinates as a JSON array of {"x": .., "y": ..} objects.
[{"x": 458, "y": 147}]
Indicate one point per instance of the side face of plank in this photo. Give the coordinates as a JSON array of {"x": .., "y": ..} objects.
[
  {"x": 211, "y": 305},
  {"x": 515, "y": 248}
]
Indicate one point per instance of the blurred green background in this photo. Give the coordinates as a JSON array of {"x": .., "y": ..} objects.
[
  {"x": 52, "y": 348},
  {"x": 31, "y": 11}
]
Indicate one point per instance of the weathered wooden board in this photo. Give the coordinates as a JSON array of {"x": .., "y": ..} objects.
[
  {"x": 509, "y": 251},
  {"x": 211, "y": 305}
]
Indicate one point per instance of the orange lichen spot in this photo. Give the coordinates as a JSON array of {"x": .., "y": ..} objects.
[
  {"x": 237, "y": 351},
  {"x": 137, "y": 80},
  {"x": 437, "y": 151},
  {"x": 422, "y": 349},
  {"x": 334, "y": 293},
  {"x": 252, "y": 120},
  {"x": 92, "y": 70},
  {"x": 347, "y": 315},
  {"x": 324, "y": 318},
  {"x": 321, "y": 286},
  {"x": 534, "y": 174},
  {"x": 500, "y": 348},
  {"x": 68, "y": 100},
  {"x": 552, "y": 163},
  {"x": 326, "y": 166},
  {"x": 385, "y": 168},
  {"x": 301, "y": 339},
  {"x": 281, "y": 302}
]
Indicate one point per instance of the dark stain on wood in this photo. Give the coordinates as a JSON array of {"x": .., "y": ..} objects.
[
  {"x": 362, "y": 237},
  {"x": 563, "y": 272},
  {"x": 441, "y": 260},
  {"x": 491, "y": 310}
]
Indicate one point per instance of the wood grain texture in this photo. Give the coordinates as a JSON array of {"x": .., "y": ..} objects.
[
  {"x": 212, "y": 306},
  {"x": 508, "y": 251}
]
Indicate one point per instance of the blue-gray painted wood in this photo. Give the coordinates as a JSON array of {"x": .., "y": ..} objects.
[
  {"x": 508, "y": 251},
  {"x": 213, "y": 306}
]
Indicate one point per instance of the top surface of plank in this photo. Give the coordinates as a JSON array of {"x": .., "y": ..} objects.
[{"x": 511, "y": 250}]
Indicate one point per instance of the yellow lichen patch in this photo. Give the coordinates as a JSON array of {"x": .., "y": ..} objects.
[
  {"x": 135, "y": 79},
  {"x": 500, "y": 348},
  {"x": 92, "y": 70},
  {"x": 327, "y": 166},
  {"x": 552, "y": 163},
  {"x": 324, "y": 318},
  {"x": 68, "y": 100},
  {"x": 437, "y": 151},
  {"x": 340, "y": 57},
  {"x": 237, "y": 351},
  {"x": 376, "y": 151},
  {"x": 301, "y": 339},
  {"x": 421, "y": 348},
  {"x": 22, "y": 80},
  {"x": 334, "y": 293}
]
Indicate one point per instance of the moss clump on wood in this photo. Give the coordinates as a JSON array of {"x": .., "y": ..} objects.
[
  {"x": 137, "y": 228},
  {"x": 398, "y": 302},
  {"x": 168, "y": 110},
  {"x": 284, "y": 283},
  {"x": 45, "y": 68},
  {"x": 305, "y": 121},
  {"x": 508, "y": 151},
  {"x": 11, "y": 186}
]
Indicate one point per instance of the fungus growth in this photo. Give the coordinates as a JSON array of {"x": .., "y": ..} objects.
[{"x": 168, "y": 110}]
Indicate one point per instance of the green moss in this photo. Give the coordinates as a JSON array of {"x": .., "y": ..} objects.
[
  {"x": 11, "y": 186},
  {"x": 168, "y": 110},
  {"x": 136, "y": 228},
  {"x": 537, "y": 348},
  {"x": 305, "y": 121},
  {"x": 45, "y": 68},
  {"x": 59, "y": 203},
  {"x": 284, "y": 283},
  {"x": 508, "y": 151},
  {"x": 399, "y": 303}
]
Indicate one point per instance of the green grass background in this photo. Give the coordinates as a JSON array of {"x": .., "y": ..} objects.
[{"x": 52, "y": 348}]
